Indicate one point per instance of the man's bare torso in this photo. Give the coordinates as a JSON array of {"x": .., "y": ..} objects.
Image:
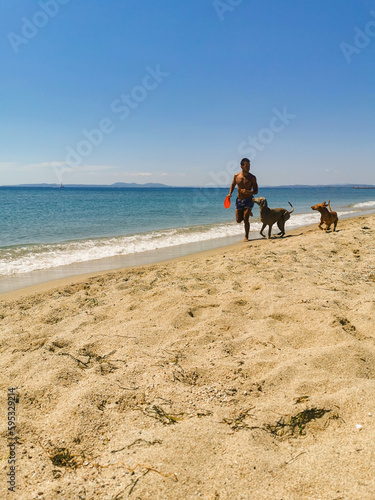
[{"x": 246, "y": 185}]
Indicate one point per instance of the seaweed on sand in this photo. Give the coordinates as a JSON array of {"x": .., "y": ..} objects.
[
  {"x": 295, "y": 425},
  {"x": 159, "y": 414},
  {"x": 61, "y": 457},
  {"x": 237, "y": 423}
]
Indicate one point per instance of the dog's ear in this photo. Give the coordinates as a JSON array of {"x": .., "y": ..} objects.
[{"x": 324, "y": 203}]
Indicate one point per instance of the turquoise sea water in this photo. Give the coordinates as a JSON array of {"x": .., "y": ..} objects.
[{"x": 44, "y": 228}]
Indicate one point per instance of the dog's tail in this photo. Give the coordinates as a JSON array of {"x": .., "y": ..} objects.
[
  {"x": 329, "y": 206},
  {"x": 292, "y": 208}
]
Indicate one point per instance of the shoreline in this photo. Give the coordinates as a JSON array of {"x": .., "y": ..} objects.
[
  {"x": 111, "y": 264},
  {"x": 46, "y": 279},
  {"x": 49, "y": 284},
  {"x": 34, "y": 263}
]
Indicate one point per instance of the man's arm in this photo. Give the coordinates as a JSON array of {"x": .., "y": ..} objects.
[
  {"x": 255, "y": 186},
  {"x": 231, "y": 189}
]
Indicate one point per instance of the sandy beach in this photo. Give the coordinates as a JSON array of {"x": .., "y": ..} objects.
[{"x": 238, "y": 373}]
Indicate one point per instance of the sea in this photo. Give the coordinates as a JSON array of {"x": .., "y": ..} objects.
[{"x": 48, "y": 233}]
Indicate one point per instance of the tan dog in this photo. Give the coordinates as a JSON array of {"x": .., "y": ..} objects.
[
  {"x": 270, "y": 216},
  {"x": 327, "y": 217}
]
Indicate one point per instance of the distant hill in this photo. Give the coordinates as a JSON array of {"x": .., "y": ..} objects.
[{"x": 135, "y": 185}]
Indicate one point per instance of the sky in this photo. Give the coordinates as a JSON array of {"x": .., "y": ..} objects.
[{"x": 178, "y": 92}]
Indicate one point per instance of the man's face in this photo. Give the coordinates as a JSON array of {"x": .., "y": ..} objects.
[{"x": 245, "y": 167}]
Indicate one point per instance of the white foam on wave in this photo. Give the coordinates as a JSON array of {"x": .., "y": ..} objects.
[
  {"x": 299, "y": 220},
  {"x": 364, "y": 204},
  {"x": 28, "y": 258},
  {"x": 39, "y": 257}
]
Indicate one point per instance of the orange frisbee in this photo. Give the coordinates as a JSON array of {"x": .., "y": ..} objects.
[{"x": 227, "y": 202}]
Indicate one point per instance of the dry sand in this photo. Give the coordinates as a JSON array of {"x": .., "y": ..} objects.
[{"x": 242, "y": 373}]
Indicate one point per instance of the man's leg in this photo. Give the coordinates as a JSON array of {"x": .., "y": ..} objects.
[
  {"x": 247, "y": 223},
  {"x": 239, "y": 215}
]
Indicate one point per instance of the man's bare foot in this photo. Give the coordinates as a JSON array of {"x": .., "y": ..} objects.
[{"x": 245, "y": 239}]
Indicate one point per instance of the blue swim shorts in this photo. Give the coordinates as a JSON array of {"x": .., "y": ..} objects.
[{"x": 244, "y": 204}]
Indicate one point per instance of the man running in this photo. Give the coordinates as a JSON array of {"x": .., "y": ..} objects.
[{"x": 246, "y": 187}]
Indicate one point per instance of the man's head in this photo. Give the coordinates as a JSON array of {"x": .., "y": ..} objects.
[{"x": 245, "y": 164}]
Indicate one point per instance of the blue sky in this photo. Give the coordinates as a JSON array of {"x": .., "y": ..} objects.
[{"x": 178, "y": 92}]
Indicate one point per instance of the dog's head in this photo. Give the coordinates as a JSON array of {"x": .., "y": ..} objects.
[
  {"x": 262, "y": 202},
  {"x": 319, "y": 206}
]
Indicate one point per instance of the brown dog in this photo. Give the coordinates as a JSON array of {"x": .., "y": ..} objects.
[
  {"x": 327, "y": 217},
  {"x": 270, "y": 216}
]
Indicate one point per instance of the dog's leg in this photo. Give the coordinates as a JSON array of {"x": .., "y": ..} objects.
[
  {"x": 281, "y": 226},
  {"x": 269, "y": 230},
  {"x": 320, "y": 224},
  {"x": 261, "y": 231},
  {"x": 335, "y": 224}
]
